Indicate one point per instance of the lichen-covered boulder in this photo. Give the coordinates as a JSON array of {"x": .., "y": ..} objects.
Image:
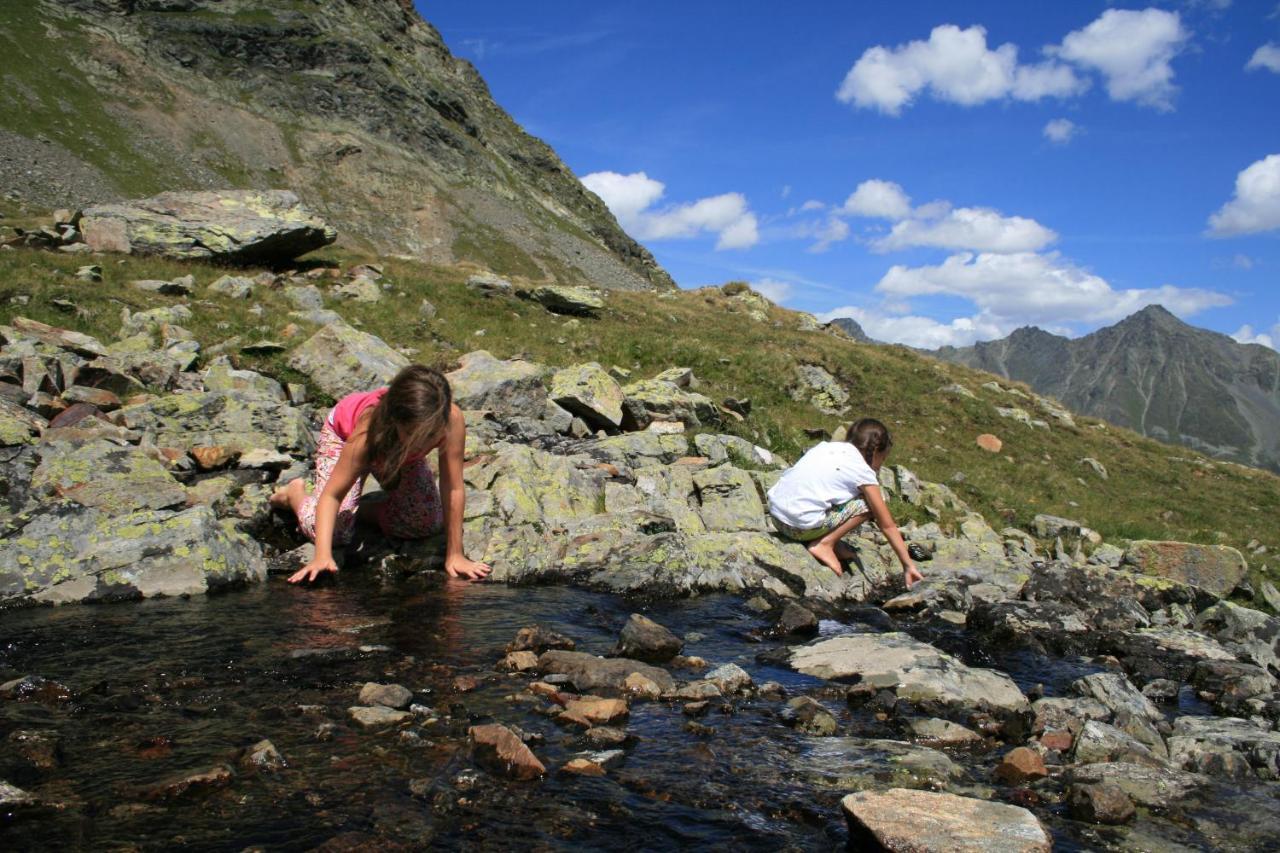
[
  {"x": 67, "y": 553},
  {"x": 242, "y": 226},
  {"x": 512, "y": 387},
  {"x": 1217, "y": 569},
  {"x": 532, "y": 487},
  {"x": 639, "y": 449},
  {"x": 116, "y": 479},
  {"x": 728, "y": 500},
  {"x": 589, "y": 392},
  {"x": 563, "y": 299},
  {"x": 236, "y": 420},
  {"x": 660, "y": 400},
  {"x": 18, "y": 426},
  {"x": 820, "y": 389},
  {"x": 341, "y": 360},
  {"x": 221, "y": 376}
]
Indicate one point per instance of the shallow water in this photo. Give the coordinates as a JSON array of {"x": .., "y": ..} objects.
[{"x": 167, "y": 687}]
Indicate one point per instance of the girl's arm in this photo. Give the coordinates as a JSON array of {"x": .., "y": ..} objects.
[
  {"x": 453, "y": 491},
  {"x": 350, "y": 468},
  {"x": 884, "y": 520}
]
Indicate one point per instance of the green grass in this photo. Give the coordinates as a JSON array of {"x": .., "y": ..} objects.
[{"x": 1149, "y": 494}]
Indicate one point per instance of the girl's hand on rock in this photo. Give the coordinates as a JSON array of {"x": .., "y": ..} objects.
[
  {"x": 313, "y": 570},
  {"x": 912, "y": 575},
  {"x": 461, "y": 567}
]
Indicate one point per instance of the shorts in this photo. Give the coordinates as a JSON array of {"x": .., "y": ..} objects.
[{"x": 833, "y": 518}]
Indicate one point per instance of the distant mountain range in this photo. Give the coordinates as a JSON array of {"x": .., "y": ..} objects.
[
  {"x": 852, "y": 329},
  {"x": 1155, "y": 374}
]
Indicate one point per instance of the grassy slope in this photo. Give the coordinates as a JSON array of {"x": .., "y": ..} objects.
[{"x": 1036, "y": 472}]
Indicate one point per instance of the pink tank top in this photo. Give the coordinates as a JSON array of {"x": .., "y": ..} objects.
[{"x": 348, "y": 410}]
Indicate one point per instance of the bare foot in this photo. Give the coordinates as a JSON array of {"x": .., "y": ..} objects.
[
  {"x": 826, "y": 554},
  {"x": 289, "y": 495}
]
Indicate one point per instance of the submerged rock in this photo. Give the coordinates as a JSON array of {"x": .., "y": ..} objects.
[
  {"x": 646, "y": 640},
  {"x": 377, "y": 716},
  {"x": 387, "y": 695},
  {"x": 587, "y": 672},
  {"x": 500, "y": 750},
  {"x": 923, "y": 822}
]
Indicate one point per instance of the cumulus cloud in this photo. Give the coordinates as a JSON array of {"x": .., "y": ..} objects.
[
  {"x": 1060, "y": 130},
  {"x": 878, "y": 199},
  {"x": 979, "y": 229},
  {"x": 772, "y": 289},
  {"x": 1267, "y": 56},
  {"x": 1256, "y": 204},
  {"x": 632, "y": 197},
  {"x": 1132, "y": 50},
  {"x": 1044, "y": 289},
  {"x": 954, "y": 65},
  {"x": 923, "y": 332},
  {"x": 832, "y": 231},
  {"x": 1246, "y": 335}
]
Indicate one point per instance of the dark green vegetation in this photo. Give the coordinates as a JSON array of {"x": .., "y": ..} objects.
[
  {"x": 1154, "y": 490},
  {"x": 1154, "y": 374}
]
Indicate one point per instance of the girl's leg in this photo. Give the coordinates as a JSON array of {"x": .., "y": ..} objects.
[
  {"x": 327, "y": 452},
  {"x": 828, "y": 549},
  {"x": 413, "y": 509}
]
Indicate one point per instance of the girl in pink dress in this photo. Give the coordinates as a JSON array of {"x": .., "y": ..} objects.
[{"x": 388, "y": 433}]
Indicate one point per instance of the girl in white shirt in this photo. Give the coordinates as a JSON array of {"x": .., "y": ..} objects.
[{"x": 834, "y": 488}]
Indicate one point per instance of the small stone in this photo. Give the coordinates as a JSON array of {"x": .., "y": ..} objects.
[
  {"x": 263, "y": 458},
  {"x": 989, "y": 442},
  {"x": 377, "y": 716},
  {"x": 583, "y": 767},
  {"x": 796, "y": 621},
  {"x": 605, "y": 736},
  {"x": 465, "y": 683},
  {"x": 501, "y": 751},
  {"x": 92, "y": 272},
  {"x": 1020, "y": 765},
  {"x": 936, "y": 732},
  {"x": 596, "y": 710},
  {"x": 233, "y": 287},
  {"x": 263, "y": 756},
  {"x": 1101, "y": 803},
  {"x": 537, "y": 638},
  {"x": 387, "y": 695},
  {"x": 1058, "y": 741},
  {"x": 210, "y": 458},
  {"x": 809, "y": 716},
  {"x": 646, "y": 640},
  {"x": 519, "y": 661},
  {"x": 640, "y": 686},
  {"x": 730, "y": 678}
]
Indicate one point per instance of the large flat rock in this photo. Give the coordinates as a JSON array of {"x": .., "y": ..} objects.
[
  {"x": 914, "y": 670},
  {"x": 340, "y": 360},
  {"x": 1217, "y": 569},
  {"x": 907, "y": 821}
]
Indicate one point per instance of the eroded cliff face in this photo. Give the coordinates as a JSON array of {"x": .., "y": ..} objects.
[
  {"x": 1155, "y": 374},
  {"x": 357, "y": 106}
]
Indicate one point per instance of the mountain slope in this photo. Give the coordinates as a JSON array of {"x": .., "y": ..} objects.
[
  {"x": 1155, "y": 374},
  {"x": 358, "y": 106}
]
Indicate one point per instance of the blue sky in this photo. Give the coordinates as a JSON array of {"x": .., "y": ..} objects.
[{"x": 941, "y": 175}]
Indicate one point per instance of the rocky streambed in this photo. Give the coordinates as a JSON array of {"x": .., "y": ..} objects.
[{"x": 1042, "y": 687}]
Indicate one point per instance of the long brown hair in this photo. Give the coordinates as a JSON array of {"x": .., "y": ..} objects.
[
  {"x": 870, "y": 437},
  {"x": 418, "y": 401}
]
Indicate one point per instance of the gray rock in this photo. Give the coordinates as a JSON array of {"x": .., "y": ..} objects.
[
  {"x": 561, "y": 299},
  {"x": 925, "y": 822},
  {"x": 730, "y": 678},
  {"x": 1149, "y": 786},
  {"x": 377, "y": 716},
  {"x": 915, "y": 671},
  {"x": 114, "y": 479},
  {"x": 1225, "y": 746},
  {"x": 1049, "y": 526},
  {"x": 1101, "y": 802},
  {"x": 1252, "y": 634},
  {"x": 1100, "y": 742},
  {"x": 587, "y": 672},
  {"x": 305, "y": 298},
  {"x": 232, "y": 225},
  {"x": 236, "y": 420},
  {"x": 811, "y": 717},
  {"x": 1217, "y": 569},
  {"x": 341, "y": 360},
  {"x": 587, "y": 391},
  {"x": 1117, "y": 693},
  {"x": 387, "y": 695},
  {"x": 728, "y": 500},
  {"x": 489, "y": 284},
  {"x": 646, "y": 640},
  {"x": 233, "y": 287},
  {"x": 512, "y": 387},
  {"x": 820, "y": 389},
  {"x": 943, "y": 733}
]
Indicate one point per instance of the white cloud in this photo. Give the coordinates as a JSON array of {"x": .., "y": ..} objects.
[
  {"x": 1267, "y": 56},
  {"x": 922, "y": 332},
  {"x": 954, "y": 65},
  {"x": 631, "y": 199},
  {"x": 812, "y": 204},
  {"x": 979, "y": 229},
  {"x": 772, "y": 289},
  {"x": 1246, "y": 335},
  {"x": 1043, "y": 289},
  {"x": 1243, "y": 262},
  {"x": 1256, "y": 204},
  {"x": 1060, "y": 130},
  {"x": 832, "y": 231},
  {"x": 1132, "y": 50},
  {"x": 879, "y": 200}
]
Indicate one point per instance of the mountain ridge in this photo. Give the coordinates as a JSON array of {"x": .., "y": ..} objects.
[{"x": 1153, "y": 373}]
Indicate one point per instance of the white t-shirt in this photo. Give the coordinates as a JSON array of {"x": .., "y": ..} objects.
[{"x": 830, "y": 474}]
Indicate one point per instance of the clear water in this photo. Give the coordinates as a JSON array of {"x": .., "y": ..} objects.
[{"x": 168, "y": 687}]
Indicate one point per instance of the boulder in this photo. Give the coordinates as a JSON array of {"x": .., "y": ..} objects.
[
  {"x": 340, "y": 360},
  {"x": 652, "y": 400},
  {"x": 1101, "y": 803},
  {"x": 587, "y": 391},
  {"x": 508, "y": 388},
  {"x": 646, "y": 640},
  {"x": 936, "y": 732},
  {"x": 563, "y": 299},
  {"x": 795, "y": 620},
  {"x": 488, "y": 284},
  {"x": 1225, "y": 746},
  {"x": 501, "y": 751},
  {"x": 107, "y": 476},
  {"x": 1252, "y": 634},
  {"x": 595, "y": 710},
  {"x": 539, "y": 638},
  {"x": 915, "y": 671},
  {"x": 810, "y": 716},
  {"x": 233, "y": 287},
  {"x": 1217, "y": 569},
  {"x": 1020, "y": 765},
  {"x": 1149, "y": 786},
  {"x": 66, "y": 553},
  {"x": 62, "y": 338},
  {"x": 239, "y": 421},
  {"x": 387, "y": 695},
  {"x": 907, "y": 821},
  {"x": 239, "y": 226},
  {"x": 820, "y": 389},
  {"x": 728, "y": 500},
  {"x": 1100, "y": 742},
  {"x": 1117, "y": 694},
  {"x": 377, "y": 716}
]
